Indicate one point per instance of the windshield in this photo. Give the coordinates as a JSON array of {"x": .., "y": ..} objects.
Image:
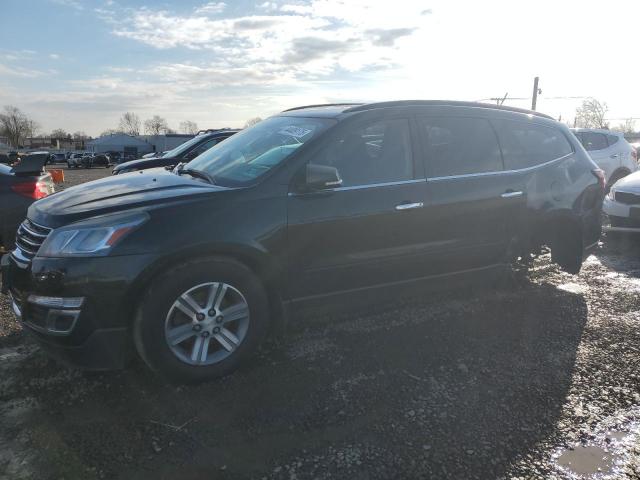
[
  {"x": 183, "y": 147},
  {"x": 251, "y": 153}
]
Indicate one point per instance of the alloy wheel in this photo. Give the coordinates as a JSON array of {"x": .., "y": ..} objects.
[{"x": 207, "y": 323}]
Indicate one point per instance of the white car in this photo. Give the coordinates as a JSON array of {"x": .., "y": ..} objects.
[
  {"x": 74, "y": 160},
  {"x": 611, "y": 152},
  {"x": 622, "y": 205}
]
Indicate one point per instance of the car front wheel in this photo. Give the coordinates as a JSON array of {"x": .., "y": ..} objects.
[{"x": 201, "y": 320}]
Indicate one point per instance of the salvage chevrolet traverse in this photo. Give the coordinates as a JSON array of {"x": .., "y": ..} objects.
[{"x": 191, "y": 268}]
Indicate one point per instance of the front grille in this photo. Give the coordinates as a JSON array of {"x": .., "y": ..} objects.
[
  {"x": 30, "y": 237},
  {"x": 627, "y": 198}
]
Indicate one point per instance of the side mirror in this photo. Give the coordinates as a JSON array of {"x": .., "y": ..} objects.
[{"x": 320, "y": 177}]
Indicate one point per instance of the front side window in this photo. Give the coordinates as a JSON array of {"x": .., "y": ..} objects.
[
  {"x": 460, "y": 146},
  {"x": 592, "y": 140},
  {"x": 527, "y": 144},
  {"x": 251, "y": 153},
  {"x": 378, "y": 152}
]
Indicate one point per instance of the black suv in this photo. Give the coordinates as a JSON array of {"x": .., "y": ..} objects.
[
  {"x": 194, "y": 266},
  {"x": 185, "y": 152}
]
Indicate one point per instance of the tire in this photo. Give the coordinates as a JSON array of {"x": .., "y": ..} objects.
[
  {"x": 158, "y": 317},
  {"x": 566, "y": 248}
]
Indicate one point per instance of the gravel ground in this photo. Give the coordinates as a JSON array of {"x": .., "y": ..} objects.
[{"x": 537, "y": 380}]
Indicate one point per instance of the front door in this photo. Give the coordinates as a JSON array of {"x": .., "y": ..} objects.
[{"x": 368, "y": 231}]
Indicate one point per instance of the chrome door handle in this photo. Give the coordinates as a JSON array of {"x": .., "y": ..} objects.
[
  {"x": 511, "y": 194},
  {"x": 615, "y": 155},
  {"x": 409, "y": 206}
]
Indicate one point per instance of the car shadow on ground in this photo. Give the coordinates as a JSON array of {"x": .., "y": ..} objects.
[{"x": 446, "y": 386}]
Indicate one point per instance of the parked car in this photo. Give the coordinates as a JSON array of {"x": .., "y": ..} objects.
[
  {"x": 195, "y": 265},
  {"x": 95, "y": 160},
  {"x": 56, "y": 158},
  {"x": 622, "y": 206},
  {"x": 610, "y": 151},
  {"x": 19, "y": 188},
  {"x": 74, "y": 161},
  {"x": 182, "y": 153}
]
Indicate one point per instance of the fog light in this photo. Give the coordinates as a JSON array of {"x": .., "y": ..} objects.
[
  {"x": 56, "y": 302},
  {"x": 61, "y": 322}
]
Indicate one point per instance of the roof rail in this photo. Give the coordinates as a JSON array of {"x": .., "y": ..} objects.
[
  {"x": 322, "y": 105},
  {"x": 452, "y": 103},
  {"x": 212, "y": 130}
]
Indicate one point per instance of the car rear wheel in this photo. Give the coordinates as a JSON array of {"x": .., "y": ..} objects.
[{"x": 201, "y": 320}]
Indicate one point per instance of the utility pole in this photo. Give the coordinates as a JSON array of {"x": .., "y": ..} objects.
[{"x": 534, "y": 99}]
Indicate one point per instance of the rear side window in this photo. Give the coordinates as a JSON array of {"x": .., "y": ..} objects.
[
  {"x": 592, "y": 140},
  {"x": 612, "y": 139},
  {"x": 460, "y": 146},
  {"x": 527, "y": 144},
  {"x": 377, "y": 152}
]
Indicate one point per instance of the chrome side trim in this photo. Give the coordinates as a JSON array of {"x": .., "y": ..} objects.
[
  {"x": 32, "y": 233},
  {"x": 360, "y": 187},
  {"x": 501, "y": 172}
]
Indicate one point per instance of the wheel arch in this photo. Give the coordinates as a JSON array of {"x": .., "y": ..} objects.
[{"x": 268, "y": 272}]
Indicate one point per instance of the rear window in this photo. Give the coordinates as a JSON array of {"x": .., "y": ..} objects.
[
  {"x": 527, "y": 144},
  {"x": 592, "y": 140},
  {"x": 460, "y": 146},
  {"x": 612, "y": 139}
]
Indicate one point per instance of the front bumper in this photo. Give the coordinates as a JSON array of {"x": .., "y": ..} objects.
[
  {"x": 620, "y": 217},
  {"x": 99, "y": 336}
]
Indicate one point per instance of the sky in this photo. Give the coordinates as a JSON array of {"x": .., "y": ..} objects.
[{"x": 80, "y": 64}]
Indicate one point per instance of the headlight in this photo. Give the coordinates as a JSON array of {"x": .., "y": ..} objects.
[{"x": 91, "y": 238}]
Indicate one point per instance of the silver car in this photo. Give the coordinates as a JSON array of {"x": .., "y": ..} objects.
[{"x": 622, "y": 205}]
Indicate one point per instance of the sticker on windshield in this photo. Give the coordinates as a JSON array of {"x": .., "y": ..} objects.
[{"x": 295, "y": 132}]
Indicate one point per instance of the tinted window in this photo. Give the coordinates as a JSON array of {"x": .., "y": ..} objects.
[
  {"x": 612, "y": 139},
  {"x": 376, "y": 153},
  {"x": 459, "y": 145},
  {"x": 526, "y": 144},
  {"x": 203, "y": 147},
  {"x": 592, "y": 140}
]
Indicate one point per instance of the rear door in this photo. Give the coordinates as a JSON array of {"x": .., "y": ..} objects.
[
  {"x": 472, "y": 200},
  {"x": 370, "y": 230}
]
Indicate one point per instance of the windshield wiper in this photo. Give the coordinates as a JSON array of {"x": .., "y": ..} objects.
[{"x": 179, "y": 170}]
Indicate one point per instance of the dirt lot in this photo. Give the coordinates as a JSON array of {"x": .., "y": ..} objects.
[{"x": 534, "y": 381}]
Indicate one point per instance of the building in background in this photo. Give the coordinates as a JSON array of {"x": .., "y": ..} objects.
[
  {"x": 121, "y": 143},
  {"x": 162, "y": 143}
]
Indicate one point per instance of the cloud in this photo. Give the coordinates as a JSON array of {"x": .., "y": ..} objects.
[
  {"x": 306, "y": 49},
  {"x": 211, "y": 8},
  {"x": 76, "y": 5},
  {"x": 386, "y": 37},
  {"x": 54, "y": 56},
  {"x": 16, "y": 71}
]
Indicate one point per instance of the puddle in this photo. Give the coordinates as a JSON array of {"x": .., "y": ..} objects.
[{"x": 589, "y": 460}]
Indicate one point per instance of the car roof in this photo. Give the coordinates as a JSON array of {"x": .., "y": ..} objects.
[{"x": 335, "y": 110}]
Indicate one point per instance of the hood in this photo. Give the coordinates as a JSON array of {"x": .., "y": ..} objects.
[
  {"x": 630, "y": 183},
  {"x": 142, "y": 163},
  {"x": 117, "y": 193}
]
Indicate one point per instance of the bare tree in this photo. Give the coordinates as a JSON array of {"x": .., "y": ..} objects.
[
  {"x": 60, "y": 133},
  {"x": 591, "y": 114},
  {"x": 189, "y": 127},
  {"x": 33, "y": 128},
  {"x": 252, "y": 121},
  {"x": 156, "y": 125},
  {"x": 80, "y": 136},
  {"x": 628, "y": 126},
  {"x": 129, "y": 124},
  {"x": 110, "y": 131},
  {"x": 15, "y": 125}
]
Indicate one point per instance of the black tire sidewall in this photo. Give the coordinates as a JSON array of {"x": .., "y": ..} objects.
[{"x": 149, "y": 325}]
